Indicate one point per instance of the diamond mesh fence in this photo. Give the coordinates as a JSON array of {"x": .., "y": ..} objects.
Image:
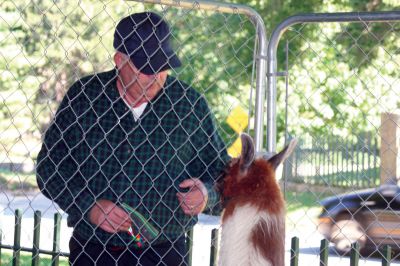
[
  {"x": 59, "y": 95},
  {"x": 340, "y": 99},
  {"x": 66, "y": 114}
]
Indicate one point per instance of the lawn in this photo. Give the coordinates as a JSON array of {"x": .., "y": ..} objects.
[
  {"x": 301, "y": 200},
  {"x": 26, "y": 259},
  {"x": 14, "y": 181},
  {"x": 302, "y": 210}
]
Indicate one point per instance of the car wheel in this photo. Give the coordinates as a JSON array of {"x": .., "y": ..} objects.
[{"x": 345, "y": 231}]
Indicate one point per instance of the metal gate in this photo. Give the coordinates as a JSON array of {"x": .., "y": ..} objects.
[
  {"x": 48, "y": 45},
  {"x": 333, "y": 84}
]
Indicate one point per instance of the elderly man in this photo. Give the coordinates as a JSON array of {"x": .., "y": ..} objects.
[{"x": 133, "y": 138}]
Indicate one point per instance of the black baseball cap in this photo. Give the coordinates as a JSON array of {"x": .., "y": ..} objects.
[{"x": 145, "y": 38}]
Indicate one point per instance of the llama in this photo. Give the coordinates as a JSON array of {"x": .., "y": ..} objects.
[{"x": 253, "y": 221}]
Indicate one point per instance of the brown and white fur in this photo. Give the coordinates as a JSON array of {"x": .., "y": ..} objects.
[{"x": 253, "y": 222}]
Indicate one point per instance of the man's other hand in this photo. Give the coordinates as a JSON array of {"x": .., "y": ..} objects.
[
  {"x": 193, "y": 201},
  {"x": 109, "y": 217}
]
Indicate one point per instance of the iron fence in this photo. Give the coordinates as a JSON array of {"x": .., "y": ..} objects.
[
  {"x": 35, "y": 252},
  {"x": 336, "y": 162}
]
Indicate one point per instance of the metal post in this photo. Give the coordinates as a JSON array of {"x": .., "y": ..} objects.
[
  {"x": 17, "y": 238},
  {"x": 214, "y": 247},
  {"x": 36, "y": 238},
  {"x": 261, "y": 57},
  {"x": 387, "y": 255},
  {"x": 294, "y": 252},
  {"x": 55, "y": 261},
  {"x": 324, "y": 252}
]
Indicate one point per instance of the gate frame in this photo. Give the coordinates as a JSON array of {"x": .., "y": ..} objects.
[
  {"x": 277, "y": 33},
  {"x": 260, "y": 56},
  {"x": 260, "y": 60}
]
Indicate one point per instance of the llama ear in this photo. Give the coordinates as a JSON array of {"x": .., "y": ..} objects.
[
  {"x": 277, "y": 159},
  {"x": 247, "y": 155}
]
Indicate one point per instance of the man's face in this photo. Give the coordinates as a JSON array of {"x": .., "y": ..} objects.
[
  {"x": 130, "y": 75},
  {"x": 139, "y": 87}
]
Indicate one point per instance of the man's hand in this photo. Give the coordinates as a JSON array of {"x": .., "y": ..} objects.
[
  {"x": 109, "y": 217},
  {"x": 195, "y": 200}
]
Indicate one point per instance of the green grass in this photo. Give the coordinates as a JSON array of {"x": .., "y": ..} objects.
[
  {"x": 26, "y": 259},
  {"x": 302, "y": 210},
  {"x": 17, "y": 181},
  {"x": 299, "y": 200}
]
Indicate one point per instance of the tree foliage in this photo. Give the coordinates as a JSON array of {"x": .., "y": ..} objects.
[
  {"x": 337, "y": 73},
  {"x": 341, "y": 76}
]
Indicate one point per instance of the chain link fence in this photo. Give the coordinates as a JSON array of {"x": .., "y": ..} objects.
[
  {"x": 338, "y": 93},
  {"x": 340, "y": 79},
  {"x": 46, "y": 46}
]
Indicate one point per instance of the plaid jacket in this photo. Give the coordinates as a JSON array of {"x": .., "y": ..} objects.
[{"x": 94, "y": 150}]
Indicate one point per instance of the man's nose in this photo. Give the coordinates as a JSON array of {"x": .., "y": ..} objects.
[{"x": 148, "y": 76}]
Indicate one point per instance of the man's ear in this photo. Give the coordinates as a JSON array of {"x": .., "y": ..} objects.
[{"x": 118, "y": 60}]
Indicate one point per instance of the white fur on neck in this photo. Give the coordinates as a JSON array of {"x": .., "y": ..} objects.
[{"x": 236, "y": 246}]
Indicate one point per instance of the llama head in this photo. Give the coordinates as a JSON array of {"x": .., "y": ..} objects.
[{"x": 248, "y": 175}]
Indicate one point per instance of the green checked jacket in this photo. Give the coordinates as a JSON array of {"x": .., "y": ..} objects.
[{"x": 94, "y": 149}]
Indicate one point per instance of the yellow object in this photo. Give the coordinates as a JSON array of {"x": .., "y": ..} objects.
[
  {"x": 235, "y": 149},
  {"x": 238, "y": 119}
]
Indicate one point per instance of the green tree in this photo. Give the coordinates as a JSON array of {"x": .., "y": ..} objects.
[
  {"x": 334, "y": 71},
  {"x": 341, "y": 76}
]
